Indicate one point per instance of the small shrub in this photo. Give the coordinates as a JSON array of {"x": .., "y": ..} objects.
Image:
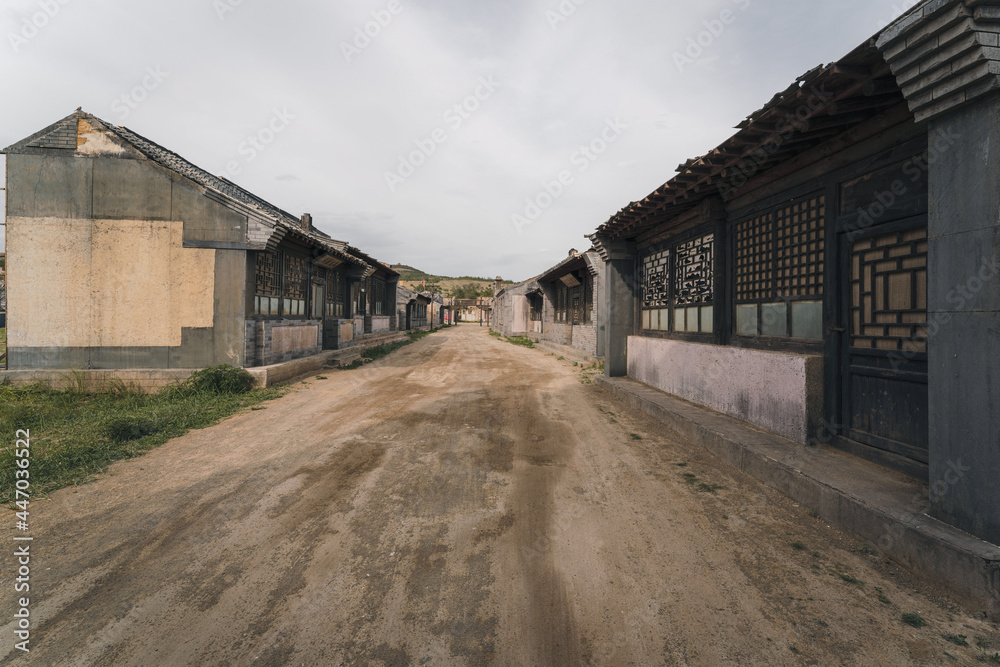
[
  {"x": 957, "y": 640},
  {"x": 914, "y": 619},
  {"x": 709, "y": 488},
  {"x": 635, "y": 436},
  {"x": 224, "y": 379},
  {"x": 798, "y": 546}
]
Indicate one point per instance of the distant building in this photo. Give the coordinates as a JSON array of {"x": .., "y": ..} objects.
[
  {"x": 124, "y": 255},
  {"x": 561, "y": 306}
]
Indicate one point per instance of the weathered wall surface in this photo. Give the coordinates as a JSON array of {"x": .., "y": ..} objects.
[
  {"x": 122, "y": 264},
  {"x": 780, "y": 392},
  {"x": 106, "y": 283}
]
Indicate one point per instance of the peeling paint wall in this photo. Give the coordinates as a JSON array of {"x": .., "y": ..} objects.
[
  {"x": 106, "y": 283},
  {"x": 777, "y": 391}
]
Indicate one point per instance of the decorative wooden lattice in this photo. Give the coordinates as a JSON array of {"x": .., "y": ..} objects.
[
  {"x": 268, "y": 274},
  {"x": 695, "y": 269},
  {"x": 799, "y": 246},
  {"x": 295, "y": 277},
  {"x": 779, "y": 254},
  {"x": 656, "y": 280},
  {"x": 334, "y": 294},
  {"x": 889, "y": 292}
]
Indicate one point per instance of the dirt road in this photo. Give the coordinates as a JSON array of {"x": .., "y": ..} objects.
[{"x": 462, "y": 502}]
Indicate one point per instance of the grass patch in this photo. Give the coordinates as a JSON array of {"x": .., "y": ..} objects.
[
  {"x": 849, "y": 578},
  {"x": 813, "y": 513},
  {"x": 957, "y": 640},
  {"x": 705, "y": 487},
  {"x": 682, "y": 464},
  {"x": 798, "y": 546},
  {"x": 382, "y": 351},
  {"x": 881, "y": 596},
  {"x": 3, "y": 345},
  {"x": 864, "y": 548},
  {"x": 995, "y": 658},
  {"x": 75, "y": 436},
  {"x": 635, "y": 436},
  {"x": 523, "y": 341},
  {"x": 690, "y": 478},
  {"x": 914, "y": 619}
]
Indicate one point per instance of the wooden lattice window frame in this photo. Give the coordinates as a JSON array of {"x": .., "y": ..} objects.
[
  {"x": 334, "y": 293},
  {"x": 267, "y": 284},
  {"x": 779, "y": 258},
  {"x": 295, "y": 278},
  {"x": 889, "y": 292},
  {"x": 678, "y": 286}
]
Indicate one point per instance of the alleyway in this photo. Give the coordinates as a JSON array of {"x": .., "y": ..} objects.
[{"x": 463, "y": 501}]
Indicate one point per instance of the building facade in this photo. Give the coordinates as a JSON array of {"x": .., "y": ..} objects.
[
  {"x": 561, "y": 306},
  {"x": 123, "y": 255},
  {"x": 831, "y": 273}
]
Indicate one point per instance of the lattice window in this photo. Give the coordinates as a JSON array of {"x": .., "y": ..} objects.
[
  {"x": 588, "y": 299},
  {"x": 295, "y": 286},
  {"x": 677, "y": 295},
  {"x": 889, "y": 292},
  {"x": 379, "y": 286},
  {"x": 779, "y": 271},
  {"x": 334, "y": 294},
  {"x": 799, "y": 246},
  {"x": 695, "y": 268},
  {"x": 656, "y": 280},
  {"x": 267, "y": 283},
  {"x": 562, "y": 302}
]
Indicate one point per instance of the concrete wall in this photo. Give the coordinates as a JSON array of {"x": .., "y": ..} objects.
[
  {"x": 964, "y": 320},
  {"x": 777, "y": 391}
]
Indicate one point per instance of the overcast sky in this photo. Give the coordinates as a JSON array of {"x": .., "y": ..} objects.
[{"x": 297, "y": 104}]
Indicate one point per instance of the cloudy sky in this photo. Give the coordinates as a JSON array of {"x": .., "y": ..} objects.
[{"x": 460, "y": 137}]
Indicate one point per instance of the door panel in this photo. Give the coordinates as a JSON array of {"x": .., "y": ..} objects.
[{"x": 884, "y": 351}]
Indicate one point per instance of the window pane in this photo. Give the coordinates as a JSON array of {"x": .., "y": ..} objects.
[
  {"x": 707, "y": 319},
  {"x": 654, "y": 319},
  {"x": 746, "y": 320},
  {"x": 680, "y": 323},
  {"x": 692, "y": 319},
  {"x": 774, "y": 319},
  {"x": 664, "y": 319},
  {"x": 645, "y": 320},
  {"x": 807, "y": 319}
]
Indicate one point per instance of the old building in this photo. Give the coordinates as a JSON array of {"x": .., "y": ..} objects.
[
  {"x": 124, "y": 255},
  {"x": 561, "y": 306},
  {"x": 831, "y": 272},
  {"x": 413, "y": 309}
]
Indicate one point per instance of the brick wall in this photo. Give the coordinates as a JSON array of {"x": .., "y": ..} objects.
[{"x": 267, "y": 350}]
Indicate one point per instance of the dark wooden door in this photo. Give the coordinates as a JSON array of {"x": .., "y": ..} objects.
[{"x": 884, "y": 344}]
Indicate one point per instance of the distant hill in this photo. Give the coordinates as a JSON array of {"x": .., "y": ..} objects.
[{"x": 461, "y": 287}]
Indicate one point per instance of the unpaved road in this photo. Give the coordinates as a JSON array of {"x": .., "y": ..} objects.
[{"x": 467, "y": 502}]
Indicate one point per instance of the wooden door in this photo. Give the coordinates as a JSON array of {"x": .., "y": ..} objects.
[{"x": 884, "y": 343}]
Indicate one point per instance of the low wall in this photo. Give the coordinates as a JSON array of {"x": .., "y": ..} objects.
[
  {"x": 777, "y": 391},
  {"x": 91, "y": 381},
  {"x": 276, "y": 342},
  {"x": 380, "y": 323}
]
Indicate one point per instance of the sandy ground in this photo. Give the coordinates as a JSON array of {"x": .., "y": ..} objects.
[{"x": 466, "y": 502}]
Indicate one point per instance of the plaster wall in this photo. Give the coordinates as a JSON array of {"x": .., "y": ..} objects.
[
  {"x": 777, "y": 391},
  {"x": 106, "y": 283}
]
